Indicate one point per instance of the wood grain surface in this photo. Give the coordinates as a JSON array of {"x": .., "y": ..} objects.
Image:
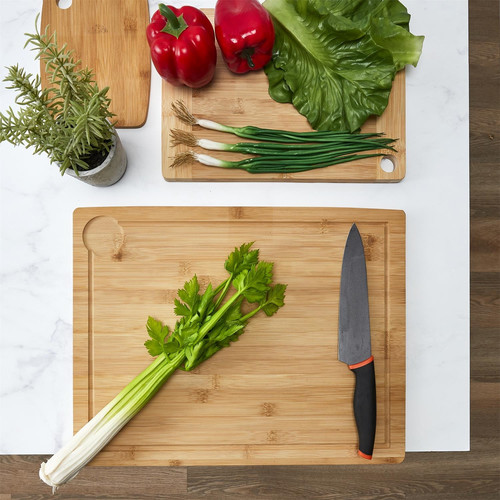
[
  {"x": 277, "y": 396},
  {"x": 109, "y": 37},
  {"x": 240, "y": 100},
  {"x": 473, "y": 475}
]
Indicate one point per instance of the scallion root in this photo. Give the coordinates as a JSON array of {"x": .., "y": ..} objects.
[
  {"x": 181, "y": 137},
  {"x": 182, "y": 158},
  {"x": 181, "y": 112}
]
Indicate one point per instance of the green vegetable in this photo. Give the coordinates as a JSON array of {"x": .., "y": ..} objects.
[
  {"x": 339, "y": 142},
  {"x": 335, "y": 60},
  {"x": 262, "y": 134},
  {"x": 207, "y": 322},
  {"x": 269, "y": 164},
  {"x": 281, "y": 152}
]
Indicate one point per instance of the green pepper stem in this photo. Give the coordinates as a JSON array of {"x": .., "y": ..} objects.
[
  {"x": 247, "y": 54},
  {"x": 174, "y": 25}
]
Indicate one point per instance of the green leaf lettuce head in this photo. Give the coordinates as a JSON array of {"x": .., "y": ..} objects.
[
  {"x": 208, "y": 322},
  {"x": 335, "y": 60}
]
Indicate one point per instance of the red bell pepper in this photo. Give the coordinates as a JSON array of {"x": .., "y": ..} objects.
[
  {"x": 245, "y": 34},
  {"x": 182, "y": 44}
]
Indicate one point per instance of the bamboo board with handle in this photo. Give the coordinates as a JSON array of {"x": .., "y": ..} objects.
[
  {"x": 240, "y": 100},
  {"x": 278, "y": 395},
  {"x": 109, "y": 37}
]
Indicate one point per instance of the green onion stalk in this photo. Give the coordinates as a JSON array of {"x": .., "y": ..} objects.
[
  {"x": 181, "y": 111},
  {"x": 339, "y": 143},
  {"x": 208, "y": 322},
  {"x": 270, "y": 164},
  {"x": 277, "y": 151}
]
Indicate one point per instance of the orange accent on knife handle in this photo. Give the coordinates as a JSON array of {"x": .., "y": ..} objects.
[
  {"x": 365, "y": 405},
  {"x": 362, "y": 363}
]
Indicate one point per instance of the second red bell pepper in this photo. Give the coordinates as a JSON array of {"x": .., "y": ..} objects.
[
  {"x": 245, "y": 33},
  {"x": 182, "y": 45}
]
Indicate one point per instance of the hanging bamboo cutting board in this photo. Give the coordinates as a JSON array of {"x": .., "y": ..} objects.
[
  {"x": 109, "y": 37},
  {"x": 278, "y": 395},
  {"x": 240, "y": 100}
]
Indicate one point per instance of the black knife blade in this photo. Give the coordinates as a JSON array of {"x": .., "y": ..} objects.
[{"x": 355, "y": 339}]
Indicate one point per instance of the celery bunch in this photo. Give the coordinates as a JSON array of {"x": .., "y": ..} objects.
[{"x": 207, "y": 322}]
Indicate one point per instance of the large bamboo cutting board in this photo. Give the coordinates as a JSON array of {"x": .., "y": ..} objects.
[
  {"x": 109, "y": 36},
  {"x": 278, "y": 395},
  {"x": 240, "y": 100}
]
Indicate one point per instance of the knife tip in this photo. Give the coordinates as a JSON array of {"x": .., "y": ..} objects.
[{"x": 354, "y": 228}]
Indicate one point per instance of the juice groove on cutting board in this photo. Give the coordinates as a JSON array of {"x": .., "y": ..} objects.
[{"x": 278, "y": 395}]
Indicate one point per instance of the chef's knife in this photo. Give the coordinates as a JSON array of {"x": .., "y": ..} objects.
[{"x": 354, "y": 339}]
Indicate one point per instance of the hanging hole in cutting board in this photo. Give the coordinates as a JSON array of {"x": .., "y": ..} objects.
[
  {"x": 64, "y": 4},
  {"x": 388, "y": 164}
]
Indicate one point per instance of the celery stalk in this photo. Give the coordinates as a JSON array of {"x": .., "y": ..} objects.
[
  {"x": 206, "y": 325},
  {"x": 98, "y": 432}
]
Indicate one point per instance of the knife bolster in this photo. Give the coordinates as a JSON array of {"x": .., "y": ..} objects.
[{"x": 361, "y": 363}]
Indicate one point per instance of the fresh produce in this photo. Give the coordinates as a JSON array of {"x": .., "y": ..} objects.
[
  {"x": 281, "y": 152},
  {"x": 245, "y": 34},
  {"x": 261, "y": 134},
  {"x": 182, "y": 43},
  {"x": 335, "y": 60},
  {"x": 207, "y": 322},
  {"x": 345, "y": 141},
  {"x": 274, "y": 164}
]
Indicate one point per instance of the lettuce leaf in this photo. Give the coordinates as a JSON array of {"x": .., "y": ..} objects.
[{"x": 335, "y": 60}]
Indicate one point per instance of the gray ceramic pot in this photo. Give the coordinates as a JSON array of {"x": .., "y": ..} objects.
[{"x": 110, "y": 171}]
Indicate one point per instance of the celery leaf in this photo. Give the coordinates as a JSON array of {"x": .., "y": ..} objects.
[
  {"x": 241, "y": 258},
  {"x": 275, "y": 299},
  {"x": 254, "y": 283},
  {"x": 158, "y": 333}
]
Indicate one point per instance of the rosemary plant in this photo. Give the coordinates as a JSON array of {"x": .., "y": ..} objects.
[{"x": 69, "y": 120}]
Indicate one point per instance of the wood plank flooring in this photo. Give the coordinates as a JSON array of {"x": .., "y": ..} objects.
[{"x": 471, "y": 475}]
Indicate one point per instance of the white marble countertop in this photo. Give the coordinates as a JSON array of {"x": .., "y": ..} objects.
[{"x": 36, "y": 239}]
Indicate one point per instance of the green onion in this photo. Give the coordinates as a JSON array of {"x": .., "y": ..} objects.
[
  {"x": 278, "y": 151},
  {"x": 208, "y": 322},
  {"x": 352, "y": 143},
  {"x": 265, "y": 134},
  {"x": 272, "y": 164}
]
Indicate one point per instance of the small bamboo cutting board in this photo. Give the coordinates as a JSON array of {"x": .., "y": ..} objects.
[
  {"x": 278, "y": 395},
  {"x": 109, "y": 36},
  {"x": 240, "y": 100}
]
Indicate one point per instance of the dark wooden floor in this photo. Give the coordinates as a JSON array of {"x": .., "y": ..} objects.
[{"x": 470, "y": 475}]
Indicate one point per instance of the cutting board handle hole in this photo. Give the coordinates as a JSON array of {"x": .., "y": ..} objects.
[
  {"x": 388, "y": 164},
  {"x": 64, "y": 4}
]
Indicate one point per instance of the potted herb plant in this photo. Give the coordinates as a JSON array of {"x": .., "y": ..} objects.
[{"x": 69, "y": 119}]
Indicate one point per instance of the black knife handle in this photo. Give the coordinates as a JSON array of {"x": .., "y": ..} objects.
[{"x": 365, "y": 406}]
